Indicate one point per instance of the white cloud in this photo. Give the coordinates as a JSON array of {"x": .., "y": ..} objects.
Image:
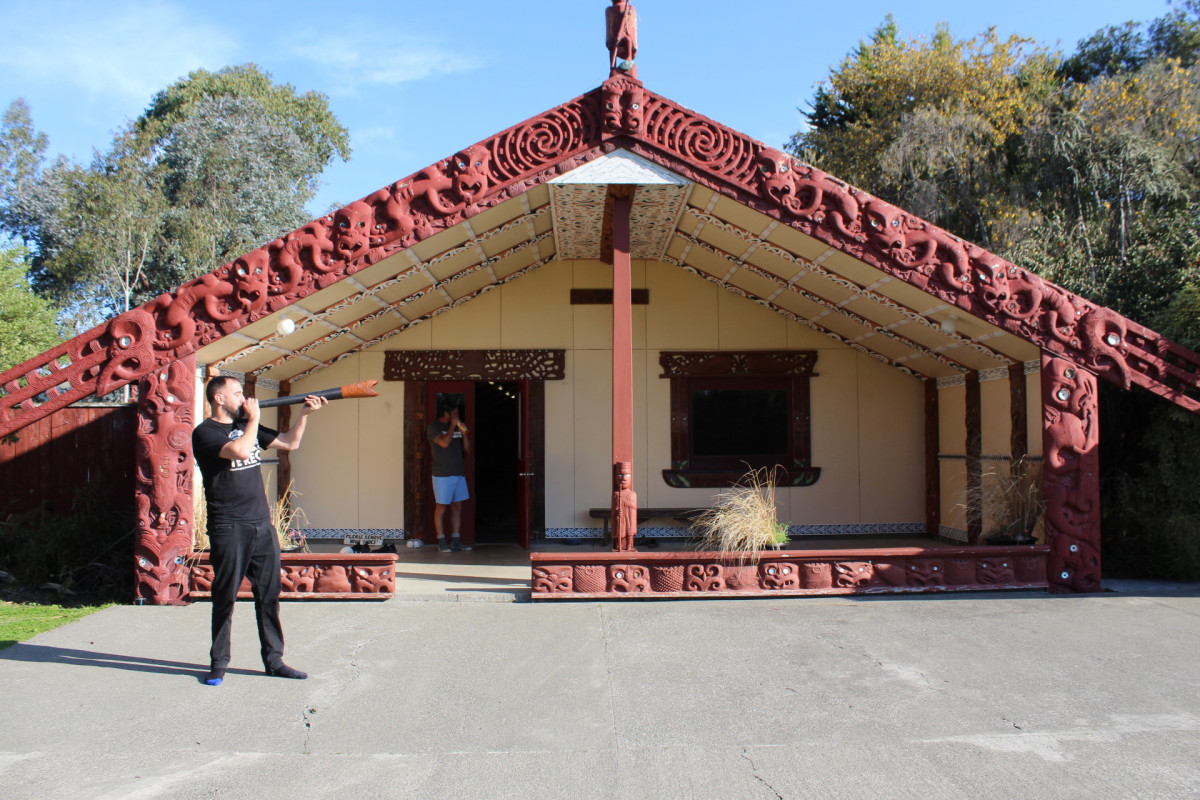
[
  {"x": 124, "y": 51},
  {"x": 382, "y": 59}
]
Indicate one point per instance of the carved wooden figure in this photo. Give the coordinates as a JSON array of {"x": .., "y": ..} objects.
[
  {"x": 164, "y": 483},
  {"x": 621, "y": 37},
  {"x": 624, "y": 509}
]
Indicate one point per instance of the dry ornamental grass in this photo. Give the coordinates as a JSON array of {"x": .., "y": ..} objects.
[{"x": 742, "y": 521}]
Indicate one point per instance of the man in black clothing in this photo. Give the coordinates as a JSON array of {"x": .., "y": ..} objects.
[{"x": 243, "y": 542}]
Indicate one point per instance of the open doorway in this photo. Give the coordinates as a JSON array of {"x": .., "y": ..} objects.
[
  {"x": 497, "y": 466},
  {"x": 497, "y": 461}
]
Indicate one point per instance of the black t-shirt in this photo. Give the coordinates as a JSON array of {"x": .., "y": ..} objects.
[{"x": 233, "y": 489}]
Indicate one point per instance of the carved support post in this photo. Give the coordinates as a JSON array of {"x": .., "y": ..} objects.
[
  {"x": 1071, "y": 444},
  {"x": 283, "y": 423},
  {"x": 933, "y": 476},
  {"x": 164, "y": 483},
  {"x": 974, "y": 451},
  {"x": 622, "y": 361}
]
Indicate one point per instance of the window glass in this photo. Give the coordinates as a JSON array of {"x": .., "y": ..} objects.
[{"x": 740, "y": 422}]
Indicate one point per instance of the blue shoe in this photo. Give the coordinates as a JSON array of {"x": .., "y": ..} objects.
[{"x": 460, "y": 547}]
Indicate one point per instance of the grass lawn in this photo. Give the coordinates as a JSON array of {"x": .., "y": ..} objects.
[{"x": 21, "y": 621}]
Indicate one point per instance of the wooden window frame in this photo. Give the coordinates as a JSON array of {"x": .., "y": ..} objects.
[{"x": 693, "y": 369}]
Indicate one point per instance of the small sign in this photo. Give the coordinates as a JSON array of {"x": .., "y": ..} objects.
[{"x": 374, "y": 541}]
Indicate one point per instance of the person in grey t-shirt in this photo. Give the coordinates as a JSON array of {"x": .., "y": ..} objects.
[{"x": 449, "y": 440}]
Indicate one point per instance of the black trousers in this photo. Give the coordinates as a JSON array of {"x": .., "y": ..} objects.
[{"x": 245, "y": 550}]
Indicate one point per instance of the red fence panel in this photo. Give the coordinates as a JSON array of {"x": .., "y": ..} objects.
[{"x": 84, "y": 446}]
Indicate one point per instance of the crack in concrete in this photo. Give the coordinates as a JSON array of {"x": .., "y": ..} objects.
[{"x": 757, "y": 777}]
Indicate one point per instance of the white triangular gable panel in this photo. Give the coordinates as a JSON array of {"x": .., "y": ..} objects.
[{"x": 621, "y": 166}]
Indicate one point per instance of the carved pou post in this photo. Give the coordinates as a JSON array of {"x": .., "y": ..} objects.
[
  {"x": 620, "y": 29},
  {"x": 164, "y": 483},
  {"x": 624, "y": 507},
  {"x": 1071, "y": 446}
]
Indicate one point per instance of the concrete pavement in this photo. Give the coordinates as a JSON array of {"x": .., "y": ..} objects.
[{"x": 968, "y": 695}]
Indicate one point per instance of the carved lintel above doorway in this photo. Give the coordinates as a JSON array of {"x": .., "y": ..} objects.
[{"x": 474, "y": 365}]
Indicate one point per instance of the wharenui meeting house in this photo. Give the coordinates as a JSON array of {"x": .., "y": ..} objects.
[{"x": 621, "y": 279}]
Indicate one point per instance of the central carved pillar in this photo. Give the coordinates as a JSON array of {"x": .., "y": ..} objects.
[
  {"x": 164, "y": 483},
  {"x": 624, "y": 502},
  {"x": 1071, "y": 444}
]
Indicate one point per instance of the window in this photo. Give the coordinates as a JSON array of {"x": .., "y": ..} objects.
[{"x": 735, "y": 411}]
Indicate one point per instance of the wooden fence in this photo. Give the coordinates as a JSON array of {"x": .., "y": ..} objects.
[{"x": 83, "y": 446}]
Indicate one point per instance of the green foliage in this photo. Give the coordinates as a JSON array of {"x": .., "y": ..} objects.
[
  {"x": 307, "y": 115},
  {"x": 21, "y": 152},
  {"x": 928, "y": 123},
  {"x": 22, "y": 621},
  {"x": 27, "y": 322},
  {"x": 86, "y": 550},
  {"x": 219, "y": 164},
  {"x": 1085, "y": 170}
]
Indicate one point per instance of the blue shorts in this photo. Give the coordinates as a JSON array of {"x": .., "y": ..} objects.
[{"x": 451, "y": 489}]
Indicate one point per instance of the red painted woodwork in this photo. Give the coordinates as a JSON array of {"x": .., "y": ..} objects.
[
  {"x": 620, "y": 28},
  {"x": 80, "y": 448},
  {"x": 933, "y": 467},
  {"x": 621, "y": 113},
  {"x": 283, "y": 424},
  {"x": 164, "y": 483},
  {"x": 622, "y": 336},
  {"x": 314, "y": 576},
  {"x": 564, "y": 576},
  {"x": 1071, "y": 474}
]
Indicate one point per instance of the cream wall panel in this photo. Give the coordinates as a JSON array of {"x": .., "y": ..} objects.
[
  {"x": 560, "y": 449},
  {"x": 892, "y": 444},
  {"x": 996, "y": 410},
  {"x": 802, "y": 337},
  {"x": 475, "y": 325},
  {"x": 1033, "y": 405},
  {"x": 327, "y": 468},
  {"x": 745, "y": 325},
  {"x": 535, "y": 310},
  {"x": 381, "y": 445},
  {"x": 593, "y": 433},
  {"x": 683, "y": 310},
  {"x": 954, "y": 493},
  {"x": 952, "y": 416},
  {"x": 833, "y": 499}
]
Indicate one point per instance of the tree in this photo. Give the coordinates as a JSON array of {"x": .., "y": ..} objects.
[
  {"x": 308, "y": 115},
  {"x": 929, "y": 124},
  {"x": 21, "y": 152},
  {"x": 111, "y": 218},
  {"x": 27, "y": 322},
  {"x": 219, "y": 164},
  {"x": 235, "y": 177}
]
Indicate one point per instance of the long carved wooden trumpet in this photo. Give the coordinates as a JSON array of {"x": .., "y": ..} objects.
[{"x": 353, "y": 390}]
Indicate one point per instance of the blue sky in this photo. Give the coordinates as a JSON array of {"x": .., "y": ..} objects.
[{"x": 416, "y": 81}]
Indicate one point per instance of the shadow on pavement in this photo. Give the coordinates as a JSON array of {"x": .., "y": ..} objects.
[{"x": 42, "y": 654}]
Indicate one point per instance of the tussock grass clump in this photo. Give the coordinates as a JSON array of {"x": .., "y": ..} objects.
[
  {"x": 1014, "y": 502},
  {"x": 742, "y": 521}
]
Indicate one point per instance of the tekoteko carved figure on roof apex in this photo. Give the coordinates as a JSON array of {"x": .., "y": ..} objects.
[{"x": 620, "y": 28}]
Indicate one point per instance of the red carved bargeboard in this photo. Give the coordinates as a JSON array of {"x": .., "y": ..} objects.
[
  {"x": 315, "y": 576},
  {"x": 527, "y": 155},
  {"x": 562, "y": 576}
]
